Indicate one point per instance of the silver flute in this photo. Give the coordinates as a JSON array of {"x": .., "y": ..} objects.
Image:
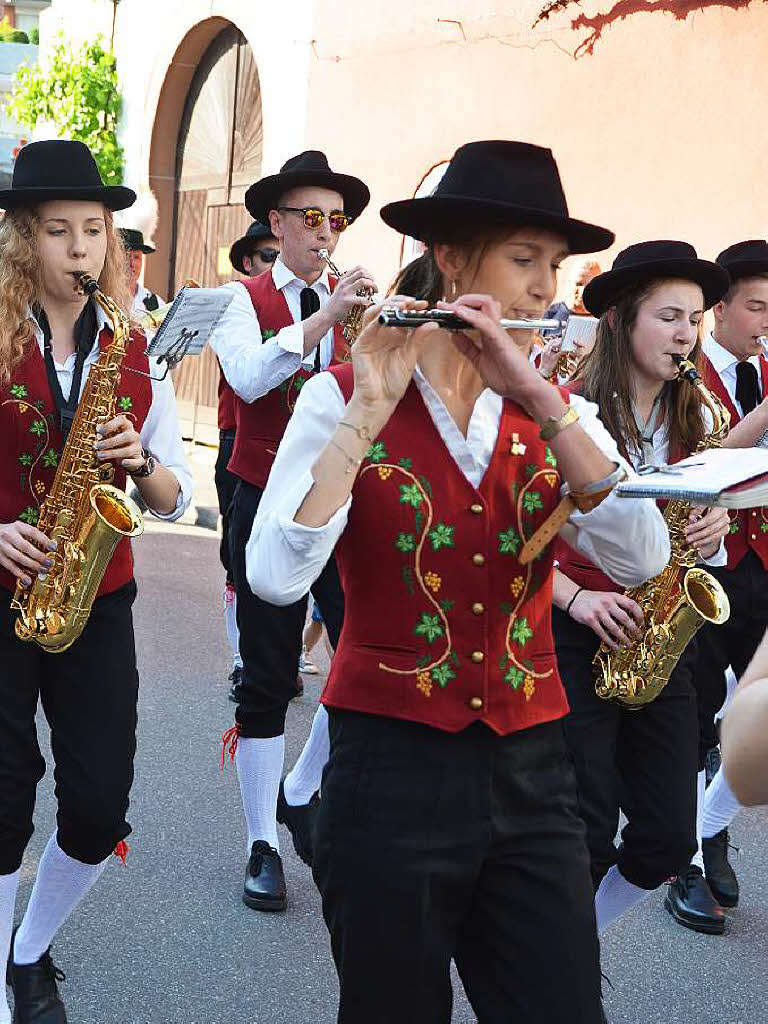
[{"x": 452, "y": 322}]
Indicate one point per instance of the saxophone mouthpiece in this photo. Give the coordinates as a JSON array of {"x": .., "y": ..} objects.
[
  {"x": 686, "y": 369},
  {"x": 84, "y": 284}
]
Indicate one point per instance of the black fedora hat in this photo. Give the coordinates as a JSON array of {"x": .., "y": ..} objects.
[
  {"x": 133, "y": 241},
  {"x": 308, "y": 168},
  {"x": 244, "y": 246},
  {"x": 641, "y": 263},
  {"x": 745, "y": 259},
  {"x": 60, "y": 169},
  {"x": 496, "y": 182}
]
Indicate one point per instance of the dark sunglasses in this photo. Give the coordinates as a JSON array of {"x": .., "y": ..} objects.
[
  {"x": 313, "y": 218},
  {"x": 266, "y": 255}
]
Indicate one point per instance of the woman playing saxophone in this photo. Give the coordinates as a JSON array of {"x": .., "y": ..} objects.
[
  {"x": 643, "y": 762},
  {"x": 54, "y": 339}
]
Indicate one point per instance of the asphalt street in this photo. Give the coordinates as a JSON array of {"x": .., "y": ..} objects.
[{"x": 167, "y": 940}]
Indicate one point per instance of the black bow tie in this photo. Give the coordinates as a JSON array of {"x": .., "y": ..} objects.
[
  {"x": 310, "y": 303},
  {"x": 747, "y": 386}
]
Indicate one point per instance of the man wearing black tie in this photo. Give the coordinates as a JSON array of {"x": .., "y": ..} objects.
[
  {"x": 281, "y": 328},
  {"x": 736, "y": 370}
]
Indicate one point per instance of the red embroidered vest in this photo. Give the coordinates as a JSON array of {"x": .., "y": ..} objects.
[
  {"x": 443, "y": 625},
  {"x": 261, "y": 424},
  {"x": 749, "y": 526},
  {"x": 226, "y": 404},
  {"x": 32, "y": 444}
]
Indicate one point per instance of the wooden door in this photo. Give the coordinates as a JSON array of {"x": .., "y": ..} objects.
[{"x": 219, "y": 156}]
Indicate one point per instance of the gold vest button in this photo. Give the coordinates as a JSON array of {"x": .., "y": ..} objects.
[
  {"x": 477, "y": 657},
  {"x": 476, "y": 703},
  {"x": 478, "y": 559},
  {"x": 478, "y": 608},
  {"x": 477, "y": 509}
]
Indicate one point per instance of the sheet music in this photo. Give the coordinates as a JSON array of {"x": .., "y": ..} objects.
[
  {"x": 703, "y": 477},
  {"x": 189, "y": 323}
]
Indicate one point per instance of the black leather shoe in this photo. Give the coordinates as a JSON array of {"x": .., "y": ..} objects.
[
  {"x": 720, "y": 875},
  {"x": 690, "y": 901},
  {"x": 300, "y": 822},
  {"x": 235, "y": 677},
  {"x": 36, "y": 998},
  {"x": 264, "y": 879}
]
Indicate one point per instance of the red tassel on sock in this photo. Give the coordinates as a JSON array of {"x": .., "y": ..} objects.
[
  {"x": 122, "y": 850},
  {"x": 229, "y": 597},
  {"x": 230, "y": 738}
]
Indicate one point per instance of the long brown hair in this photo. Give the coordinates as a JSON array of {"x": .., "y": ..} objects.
[
  {"x": 607, "y": 380},
  {"x": 20, "y": 281}
]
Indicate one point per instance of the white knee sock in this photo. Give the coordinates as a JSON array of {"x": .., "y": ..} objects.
[
  {"x": 614, "y": 896},
  {"x": 230, "y": 618},
  {"x": 9, "y": 885},
  {"x": 304, "y": 778},
  {"x": 701, "y": 786},
  {"x": 60, "y": 885},
  {"x": 720, "y": 806},
  {"x": 259, "y": 767}
]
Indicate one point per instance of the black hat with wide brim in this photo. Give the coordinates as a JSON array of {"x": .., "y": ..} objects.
[
  {"x": 496, "y": 183},
  {"x": 133, "y": 241},
  {"x": 647, "y": 261},
  {"x": 308, "y": 168},
  {"x": 244, "y": 246},
  {"x": 745, "y": 259},
  {"x": 60, "y": 169}
]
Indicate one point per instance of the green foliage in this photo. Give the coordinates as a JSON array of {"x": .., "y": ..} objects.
[
  {"x": 9, "y": 34},
  {"x": 77, "y": 92},
  {"x": 34, "y": 37}
]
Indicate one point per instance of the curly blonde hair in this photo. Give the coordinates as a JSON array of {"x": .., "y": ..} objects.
[{"x": 20, "y": 281}]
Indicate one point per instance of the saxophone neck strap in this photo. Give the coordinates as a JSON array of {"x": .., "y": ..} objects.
[{"x": 85, "y": 331}]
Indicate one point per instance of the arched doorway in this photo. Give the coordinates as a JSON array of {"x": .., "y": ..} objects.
[{"x": 218, "y": 155}]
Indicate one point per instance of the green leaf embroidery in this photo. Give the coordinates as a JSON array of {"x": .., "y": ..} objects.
[
  {"x": 506, "y": 608},
  {"x": 426, "y": 485},
  {"x": 377, "y": 452},
  {"x": 266, "y": 335},
  {"x": 405, "y": 542},
  {"x": 447, "y": 604},
  {"x": 40, "y": 405},
  {"x": 405, "y": 463},
  {"x": 29, "y": 515},
  {"x": 37, "y": 427},
  {"x": 19, "y": 390},
  {"x": 125, "y": 403},
  {"x": 298, "y": 383},
  {"x": 50, "y": 459},
  {"x": 406, "y": 574},
  {"x": 734, "y": 527},
  {"x": 514, "y": 677},
  {"x": 441, "y": 536},
  {"x": 443, "y": 674},
  {"x": 550, "y": 458},
  {"x": 531, "y": 469},
  {"x": 509, "y": 542},
  {"x": 532, "y": 501},
  {"x": 764, "y": 527},
  {"x": 284, "y": 386},
  {"x": 410, "y": 495},
  {"x": 430, "y": 627},
  {"x": 521, "y": 631},
  {"x": 26, "y": 459}
]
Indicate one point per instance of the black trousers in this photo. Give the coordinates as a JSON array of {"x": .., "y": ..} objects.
[
  {"x": 434, "y": 846},
  {"x": 89, "y": 695},
  {"x": 226, "y": 483},
  {"x": 270, "y": 636},
  {"x": 731, "y": 644},
  {"x": 643, "y": 762}
]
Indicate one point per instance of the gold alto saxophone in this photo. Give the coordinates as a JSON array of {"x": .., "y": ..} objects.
[
  {"x": 352, "y": 323},
  {"x": 676, "y": 603},
  {"x": 83, "y": 512}
]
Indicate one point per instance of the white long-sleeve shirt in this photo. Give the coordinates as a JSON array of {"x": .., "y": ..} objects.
[
  {"x": 627, "y": 539},
  {"x": 253, "y": 365},
  {"x": 160, "y": 433}
]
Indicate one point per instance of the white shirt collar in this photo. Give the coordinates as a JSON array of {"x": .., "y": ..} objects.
[
  {"x": 721, "y": 359},
  {"x": 283, "y": 276},
  {"x": 102, "y": 321}
]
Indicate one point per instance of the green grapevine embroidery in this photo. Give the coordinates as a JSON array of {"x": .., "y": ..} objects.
[
  {"x": 125, "y": 403},
  {"x": 266, "y": 335},
  {"x": 377, "y": 452},
  {"x": 51, "y": 459},
  {"x": 443, "y": 674},
  {"x": 429, "y": 626},
  {"x": 521, "y": 631},
  {"x": 38, "y": 427},
  {"x": 441, "y": 536},
  {"x": 509, "y": 542},
  {"x": 532, "y": 502},
  {"x": 411, "y": 494},
  {"x": 30, "y": 516},
  {"x": 405, "y": 542},
  {"x": 18, "y": 390},
  {"x": 26, "y": 459},
  {"x": 550, "y": 458}
]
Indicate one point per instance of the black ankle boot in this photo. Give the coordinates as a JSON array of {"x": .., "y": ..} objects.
[
  {"x": 720, "y": 875},
  {"x": 264, "y": 887},
  {"x": 36, "y": 998}
]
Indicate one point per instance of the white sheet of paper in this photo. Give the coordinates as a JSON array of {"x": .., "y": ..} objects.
[
  {"x": 196, "y": 311},
  {"x": 705, "y": 475}
]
